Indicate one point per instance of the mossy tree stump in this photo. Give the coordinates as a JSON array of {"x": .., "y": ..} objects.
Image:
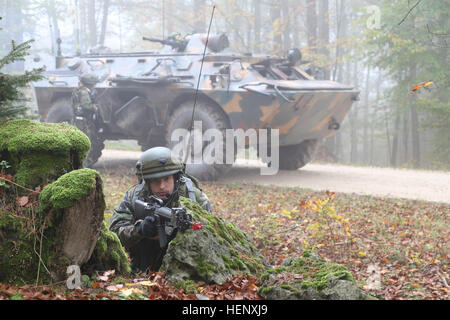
[
  {"x": 39, "y": 153},
  {"x": 62, "y": 227}
]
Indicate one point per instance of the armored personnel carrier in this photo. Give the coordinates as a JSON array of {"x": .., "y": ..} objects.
[{"x": 147, "y": 95}]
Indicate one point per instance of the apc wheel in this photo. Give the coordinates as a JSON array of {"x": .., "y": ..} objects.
[
  {"x": 296, "y": 156},
  {"x": 61, "y": 111},
  {"x": 210, "y": 118}
]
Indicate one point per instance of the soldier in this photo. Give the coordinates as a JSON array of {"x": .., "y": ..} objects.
[
  {"x": 161, "y": 175},
  {"x": 86, "y": 115},
  {"x": 84, "y": 108}
]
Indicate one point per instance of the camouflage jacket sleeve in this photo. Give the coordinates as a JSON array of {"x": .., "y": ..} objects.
[
  {"x": 123, "y": 222},
  {"x": 202, "y": 199}
]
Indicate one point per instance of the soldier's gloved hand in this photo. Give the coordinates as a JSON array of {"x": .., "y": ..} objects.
[{"x": 147, "y": 227}]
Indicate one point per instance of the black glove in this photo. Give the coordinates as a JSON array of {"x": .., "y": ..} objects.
[{"x": 147, "y": 228}]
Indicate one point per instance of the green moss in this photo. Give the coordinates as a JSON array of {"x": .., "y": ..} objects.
[
  {"x": 24, "y": 136},
  {"x": 188, "y": 286},
  {"x": 316, "y": 274},
  {"x": 216, "y": 225},
  {"x": 265, "y": 290},
  {"x": 36, "y": 168},
  {"x": 231, "y": 252},
  {"x": 40, "y": 152},
  {"x": 19, "y": 247},
  {"x": 16, "y": 296},
  {"x": 69, "y": 188},
  {"x": 109, "y": 253},
  {"x": 204, "y": 267},
  {"x": 322, "y": 277}
]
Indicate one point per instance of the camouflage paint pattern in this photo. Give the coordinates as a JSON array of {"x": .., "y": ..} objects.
[{"x": 253, "y": 91}]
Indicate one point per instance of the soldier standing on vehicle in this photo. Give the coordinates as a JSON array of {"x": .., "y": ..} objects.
[{"x": 163, "y": 176}]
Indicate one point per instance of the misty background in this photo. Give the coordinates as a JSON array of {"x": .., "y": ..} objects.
[{"x": 395, "y": 52}]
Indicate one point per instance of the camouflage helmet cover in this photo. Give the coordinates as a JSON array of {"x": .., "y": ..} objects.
[
  {"x": 157, "y": 162},
  {"x": 89, "y": 79}
]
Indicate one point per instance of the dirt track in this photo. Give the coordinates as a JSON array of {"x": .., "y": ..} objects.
[{"x": 398, "y": 183}]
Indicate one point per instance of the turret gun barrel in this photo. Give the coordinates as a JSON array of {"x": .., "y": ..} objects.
[{"x": 179, "y": 45}]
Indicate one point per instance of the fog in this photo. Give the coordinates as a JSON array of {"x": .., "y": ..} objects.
[{"x": 394, "y": 52}]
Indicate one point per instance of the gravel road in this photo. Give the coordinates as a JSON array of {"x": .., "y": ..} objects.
[{"x": 387, "y": 182}]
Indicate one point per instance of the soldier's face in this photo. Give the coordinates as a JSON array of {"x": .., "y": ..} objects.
[{"x": 162, "y": 186}]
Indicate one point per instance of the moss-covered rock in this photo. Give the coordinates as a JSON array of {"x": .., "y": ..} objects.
[
  {"x": 218, "y": 251},
  {"x": 309, "y": 278},
  {"x": 41, "y": 152}
]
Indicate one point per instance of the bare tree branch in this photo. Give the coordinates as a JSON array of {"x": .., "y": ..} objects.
[{"x": 407, "y": 14}]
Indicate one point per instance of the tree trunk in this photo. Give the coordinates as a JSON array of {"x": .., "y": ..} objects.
[
  {"x": 101, "y": 41},
  {"x": 373, "y": 121},
  {"x": 366, "y": 117},
  {"x": 415, "y": 137},
  {"x": 354, "y": 122},
  {"x": 44, "y": 232},
  {"x": 311, "y": 25},
  {"x": 84, "y": 40},
  {"x": 286, "y": 25},
  {"x": 275, "y": 18},
  {"x": 169, "y": 12},
  {"x": 395, "y": 141},
  {"x": 53, "y": 25},
  {"x": 388, "y": 136},
  {"x": 257, "y": 28},
  {"x": 405, "y": 138},
  {"x": 324, "y": 35},
  {"x": 341, "y": 30},
  {"x": 92, "y": 23},
  {"x": 354, "y": 134},
  {"x": 199, "y": 16}
]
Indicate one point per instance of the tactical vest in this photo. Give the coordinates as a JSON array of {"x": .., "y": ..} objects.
[{"x": 82, "y": 101}]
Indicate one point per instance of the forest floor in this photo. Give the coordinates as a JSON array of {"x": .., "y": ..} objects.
[{"x": 396, "y": 248}]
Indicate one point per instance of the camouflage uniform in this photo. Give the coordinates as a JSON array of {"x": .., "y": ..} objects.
[
  {"x": 145, "y": 253},
  {"x": 86, "y": 116},
  {"x": 84, "y": 111},
  {"x": 82, "y": 104}
]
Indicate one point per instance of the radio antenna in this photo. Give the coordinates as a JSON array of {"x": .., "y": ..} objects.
[{"x": 196, "y": 90}]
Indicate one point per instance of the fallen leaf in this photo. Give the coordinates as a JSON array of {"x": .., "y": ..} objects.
[
  {"x": 22, "y": 201},
  {"x": 129, "y": 292},
  {"x": 114, "y": 288},
  {"x": 147, "y": 283}
]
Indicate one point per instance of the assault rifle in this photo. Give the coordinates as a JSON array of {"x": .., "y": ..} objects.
[
  {"x": 167, "y": 219},
  {"x": 175, "y": 44}
]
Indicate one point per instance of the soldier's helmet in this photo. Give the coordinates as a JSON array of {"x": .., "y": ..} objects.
[
  {"x": 175, "y": 36},
  {"x": 89, "y": 79},
  {"x": 157, "y": 162}
]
